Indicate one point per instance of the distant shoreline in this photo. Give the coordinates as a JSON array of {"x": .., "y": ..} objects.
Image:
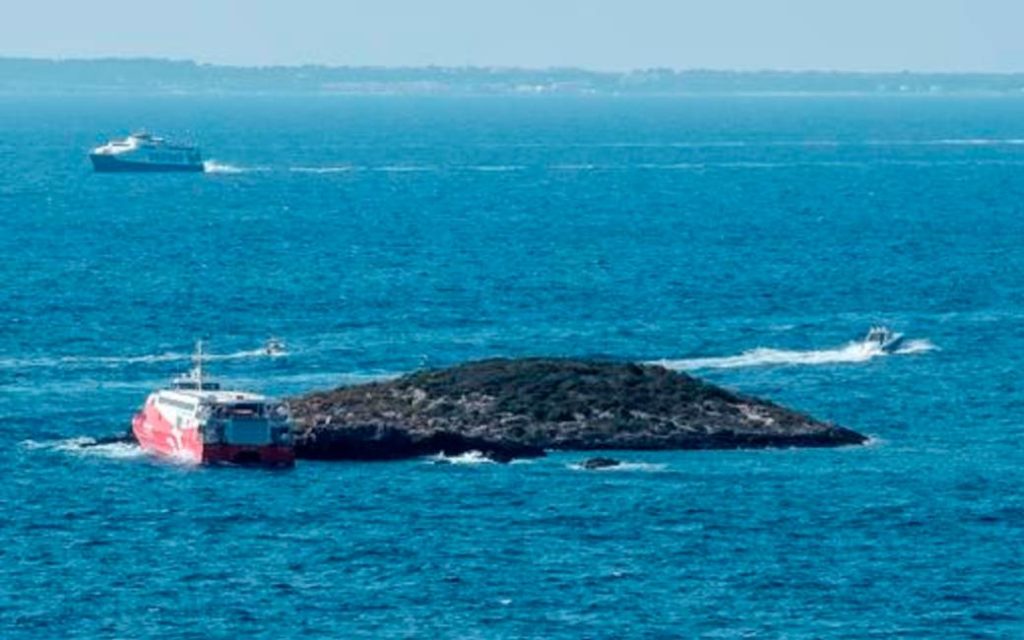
[{"x": 157, "y": 77}]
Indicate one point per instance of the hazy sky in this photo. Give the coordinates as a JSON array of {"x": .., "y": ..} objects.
[{"x": 954, "y": 35}]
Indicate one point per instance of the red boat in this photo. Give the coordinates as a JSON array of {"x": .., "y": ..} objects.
[{"x": 198, "y": 422}]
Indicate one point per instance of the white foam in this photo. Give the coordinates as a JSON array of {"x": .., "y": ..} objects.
[
  {"x": 243, "y": 355},
  {"x": 916, "y": 346},
  {"x": 91, "y": 361},
  {"x": 979, "y": 142},
  {"x": 65, "y": 361},
  {"x": 212, "y": 166},
  {"x": 740, "y": 164},
  {"x": 405, "y": 168},
  {"x": 313, "y": 380},
  {"x": 345, "y": 168},
  {"x": 851, "y": 353},
  {"x": 470, "y": 457},
  {"x": 947, "y": 142},
  {"x": 650, "y": 467},
  {"x": 778, "y": 143},
  {"x": 677, "y": 166},
  {"x": 495, "y": 168},
  {"x": 84, "y": 446}
]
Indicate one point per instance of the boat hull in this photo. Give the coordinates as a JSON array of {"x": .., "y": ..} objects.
[
  {"x": 894, "y": 345},
  {"x": 156, "y": 435},
  {"x": 108, "y": 163}
]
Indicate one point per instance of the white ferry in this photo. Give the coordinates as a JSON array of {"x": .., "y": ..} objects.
[
  {"x": 144, "y": 152},
  {"x": 195, "y": 420}
]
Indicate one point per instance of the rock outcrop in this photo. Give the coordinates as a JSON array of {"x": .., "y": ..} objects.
[
  {"x": 593, "y": 464},
  {"x": 518, "y": 408}
]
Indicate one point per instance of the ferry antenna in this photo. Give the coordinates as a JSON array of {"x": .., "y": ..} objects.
[{"x": 199, "y": 365}]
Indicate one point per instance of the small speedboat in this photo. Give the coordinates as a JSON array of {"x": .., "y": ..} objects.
[
  {"x": 884, "y": 338},
  {"x": 274, "y": 347}
]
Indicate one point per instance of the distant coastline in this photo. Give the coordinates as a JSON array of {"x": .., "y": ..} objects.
[{"x": 145, "y": 76}]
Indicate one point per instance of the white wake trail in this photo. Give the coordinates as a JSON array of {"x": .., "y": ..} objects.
[
  {"x": 212, "y": 166},
  {"x": 116, "y": 361},
  {"x": 851, "y": 353},
  {"x": 89, "y": 447}
]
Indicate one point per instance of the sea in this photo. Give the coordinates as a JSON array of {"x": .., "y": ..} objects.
[{"x": 752, "y": 241}]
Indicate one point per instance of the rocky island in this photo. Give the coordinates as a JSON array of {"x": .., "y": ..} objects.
[{"x": 509, "y": 409}]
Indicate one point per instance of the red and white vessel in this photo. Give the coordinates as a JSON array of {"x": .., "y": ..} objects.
[{"x": 196, "y": 421}]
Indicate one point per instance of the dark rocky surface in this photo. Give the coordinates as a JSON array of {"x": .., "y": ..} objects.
[
  {"x": 599, "y": 463},
  {"x": 510, "y": 409}
]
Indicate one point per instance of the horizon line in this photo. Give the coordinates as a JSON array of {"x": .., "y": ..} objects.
[{"x": 504, "y": 67}]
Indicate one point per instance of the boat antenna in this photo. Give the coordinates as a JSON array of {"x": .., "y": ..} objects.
[{"x": 199, "y": 365}]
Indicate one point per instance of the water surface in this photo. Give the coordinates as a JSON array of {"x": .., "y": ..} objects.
[{"x": 752, "y": 241}]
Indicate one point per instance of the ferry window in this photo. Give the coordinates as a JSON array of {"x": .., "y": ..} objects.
[
  {"x": 245, "y": 409},
  {"x": 177, "y": 403}
]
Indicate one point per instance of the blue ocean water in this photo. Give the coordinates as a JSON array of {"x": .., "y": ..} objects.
[{"x": 752, "y": 241}]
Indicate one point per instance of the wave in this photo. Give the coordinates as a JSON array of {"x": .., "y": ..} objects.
[
  {"x": 851, "y": 353},
  {"x": 483, "y": 168},
  {"x": 682, "y": 166},
  {"x": 212, "y": 166},
  {"x": 345, "y": 168},
  {"x": 244, "y": 355},
  {"x": 218, "y": 168},
  {"x": 115, "y": 448},
  {"x": 650, "y": 467},
  {"x": 494, "y": 168},
  {"x": 108, "y": 361},
  {"x": 405, "y": 168},
  {"x": 82, "y": 386},
  {"x": 470, "y": 458},
  {"x": 574, "y": 167},
  {"x": 755, "y": 165},
  {"x": 977, "y": 142},
  {"x": 732, "y": 144}
]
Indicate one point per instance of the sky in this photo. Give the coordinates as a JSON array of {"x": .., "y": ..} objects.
[{"x": 845, "y": 35}]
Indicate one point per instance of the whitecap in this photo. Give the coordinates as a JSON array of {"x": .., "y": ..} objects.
[
  {"x": 89, "y": 447},
  {"x": 470, "y": 458}
]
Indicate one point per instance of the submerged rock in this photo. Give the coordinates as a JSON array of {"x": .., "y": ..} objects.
[
  {"x": 599, "y": 463},
  {"x": 510, "y": 409}
]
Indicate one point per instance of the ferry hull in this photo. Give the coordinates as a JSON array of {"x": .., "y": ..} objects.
[
  {"x": 107, "y": 163},
  {"x": 264, "y": 456},
  {"x": 159, "y": 437}
]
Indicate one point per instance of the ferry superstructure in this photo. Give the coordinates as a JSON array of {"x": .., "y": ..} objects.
[{"x": 197, "y": 421}]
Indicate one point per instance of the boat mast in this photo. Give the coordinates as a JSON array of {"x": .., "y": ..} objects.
[{"x": 199, "y": 365}]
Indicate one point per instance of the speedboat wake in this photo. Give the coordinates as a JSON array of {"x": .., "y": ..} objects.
[{"x": 879, "y": 342}]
